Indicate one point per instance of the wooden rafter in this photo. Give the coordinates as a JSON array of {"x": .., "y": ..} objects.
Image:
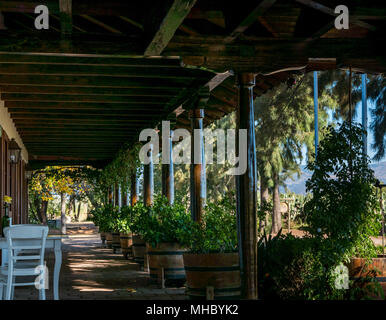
[
  {"x": 101, "y": 24},
  {"x": 250, "y": 19},
  {"x": 171, "y": 22}
]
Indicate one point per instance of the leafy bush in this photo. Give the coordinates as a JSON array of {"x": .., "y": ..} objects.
[
  {"x": 161, "y": 222},
  {"x": 341, "y": 217},
  {"x": 217, "y": 231},
  {"x": 106, "y": 218},
  {"x": 125, "y": 219}
]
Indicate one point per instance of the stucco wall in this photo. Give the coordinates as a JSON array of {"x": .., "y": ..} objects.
[{"x": 8, "y": 126}]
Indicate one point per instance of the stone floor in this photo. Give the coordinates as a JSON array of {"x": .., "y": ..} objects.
[{"x": 91, "y": 272}]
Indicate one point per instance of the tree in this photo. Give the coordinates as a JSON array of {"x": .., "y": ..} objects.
[{"x": 284, "y": 125}]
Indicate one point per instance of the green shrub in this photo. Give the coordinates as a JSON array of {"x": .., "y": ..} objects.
[
  {"x": 161, "y": 222},
  {"x": 125, "y": 219},
  {"x": 106, "y": 218},
  {"x": 217, "y": 231}
]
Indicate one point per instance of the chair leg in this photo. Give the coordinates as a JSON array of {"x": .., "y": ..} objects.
[
  {"x": 13, "y": 288},
  {"x": 1, "y": 291},
  {"x": 9, "y": 287}
]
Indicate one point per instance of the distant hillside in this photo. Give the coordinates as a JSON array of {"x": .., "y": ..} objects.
[{"x": 299, "y": 185}]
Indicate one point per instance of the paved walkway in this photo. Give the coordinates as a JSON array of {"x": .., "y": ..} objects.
[{"x": 91, "y": 272}]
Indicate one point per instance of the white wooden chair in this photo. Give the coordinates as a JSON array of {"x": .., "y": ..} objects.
[{"x": 26, "y": 247}]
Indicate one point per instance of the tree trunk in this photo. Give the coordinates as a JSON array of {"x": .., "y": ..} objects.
[
  {"x": 42, "y": 212},
  {"x": 71, "y": 206},
  {"x": 264, "y": 197},
  {"x": 276, "y": 215},
  {"x": 78, "y": 214},
  {"x": 63, "y": 213}
]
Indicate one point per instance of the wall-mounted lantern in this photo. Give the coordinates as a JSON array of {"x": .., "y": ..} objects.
[{"x": 14, "y": 152}]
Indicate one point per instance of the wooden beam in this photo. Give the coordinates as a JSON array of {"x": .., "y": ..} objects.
[
  {"x": 150, "y": 92},
  {"x": 101, "y": 71},
  {"x": 250, "y": 19},
  {"x": 101, "y": 24},
  {"x": 132, "y": 22},
  {"x": 85, "y": 100},
  {"x": 264, "y": 55},
  {"x": 169, "y": 25},
  {"x": 87, "y": 81}
]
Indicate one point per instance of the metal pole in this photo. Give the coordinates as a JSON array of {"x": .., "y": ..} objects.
[
  {"x": 364, "y": 112},
  {"x": 316, "y": 111}
]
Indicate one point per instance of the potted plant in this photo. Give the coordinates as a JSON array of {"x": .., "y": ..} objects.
[
  {"x": 159, "y": 228},
  {"x": 344, "y": 210},
  {"x": 125, "y": 234},
  {"x": 212, "y": 264},
  {"x": 96, "y": 216},
  {"x": 139, "y": 213}
]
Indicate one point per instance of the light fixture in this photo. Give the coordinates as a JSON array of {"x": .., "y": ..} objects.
[{"x": 14, "y": 152}]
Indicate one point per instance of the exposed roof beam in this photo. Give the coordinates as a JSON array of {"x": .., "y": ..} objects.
[
  {"x": 131, "y": 21},
  {"x": 320, "y": 7},
  {"x": 101, "y": 24},
  {"x": 169, "y": 25},
  {"x": 250, "y": 19}
]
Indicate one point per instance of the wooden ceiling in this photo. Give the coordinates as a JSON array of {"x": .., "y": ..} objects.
[{"x": 104, "y": 70}]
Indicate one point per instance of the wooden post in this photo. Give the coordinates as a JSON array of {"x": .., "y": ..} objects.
[
  {"x": 246, "y": 193},
  {"x": 168, "y": 172},
  {"x": 148, "y": 181},
  {"x": 110, "y": 195},
  {"x": 197, "y": 167},
  {"x": 133, "y": 188},
  {"x": 124, "y": 196}
]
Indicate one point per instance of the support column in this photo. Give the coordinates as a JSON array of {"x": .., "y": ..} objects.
[
  {"x": 197, "y": 167},
  {"x": 148, "y": 181},
  {"x": 168, "y": 171},
  {"x": 110, "y": 195},
  {"x": 124, "y": 196},
  {"x": 133, "y": 189},
  {"x": 364, "y": 112},
  {"x": 246, "y": 193}
]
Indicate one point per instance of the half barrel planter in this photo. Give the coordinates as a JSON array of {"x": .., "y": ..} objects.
[
  {"x": 126, "y": 240},
  {"x": 166, "y": 256},
  {"x": 116, "y": 241},
  {"x": 109, "y": 239},
  {"x": 139, "y": 249},
  {"x": 216, "y": 274},
  {"x": 103, "y": 238},
  {"x": 358, "y": 268}
]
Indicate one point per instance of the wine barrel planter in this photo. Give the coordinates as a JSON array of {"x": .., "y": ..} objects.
[
  {"x": 103, "y": 238},
  {"x": 358, "y": 268},
  {"x": 166, "y": 255},
  {"x": 216, "y": 272},
  {"x": 116, "y": 242},
  {"x": 139, "y": 249},
  {"x": 109, "y": 240},
  {"x": 126, "y": 244}
]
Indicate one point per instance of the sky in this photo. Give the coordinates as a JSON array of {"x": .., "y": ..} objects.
[{"x": 357, "y": 118}]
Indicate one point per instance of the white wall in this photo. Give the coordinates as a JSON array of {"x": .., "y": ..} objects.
[{"x": 9, "y": 127}]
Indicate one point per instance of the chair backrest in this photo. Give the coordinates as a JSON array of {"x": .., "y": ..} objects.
[{"x": 26, "y": 238}]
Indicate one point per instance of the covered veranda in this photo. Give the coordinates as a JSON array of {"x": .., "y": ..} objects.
[{"x": 82, "y": 90}]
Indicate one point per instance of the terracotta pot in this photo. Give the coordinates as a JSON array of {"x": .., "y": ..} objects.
[
  {"x": 216, "y": 272},
  {"x": 126, "y": 240},
  {"x": 167, "y": 255},
  {"x": 103, "y": 237}
]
